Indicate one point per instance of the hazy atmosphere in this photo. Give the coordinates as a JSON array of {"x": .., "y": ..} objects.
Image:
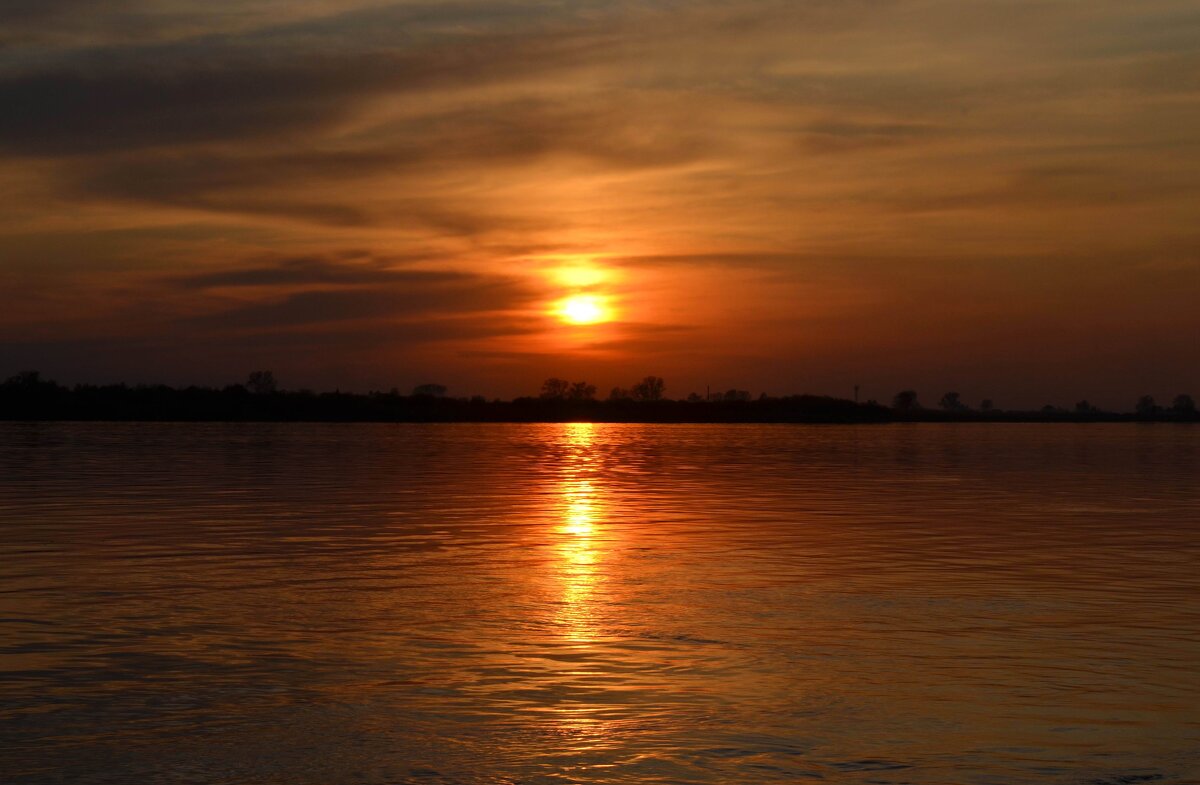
[{"x": 995, "y": 197}]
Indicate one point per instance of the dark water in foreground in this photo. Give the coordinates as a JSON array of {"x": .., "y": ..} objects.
[{"x": 328, "y": 604}]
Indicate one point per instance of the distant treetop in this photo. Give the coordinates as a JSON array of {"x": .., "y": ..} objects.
[
  {"x": 261, "y": 383},
  {"x": 905, "y": 401},
  {"x": 435, "y": 390},
  {"x": 651, "y": 388}
]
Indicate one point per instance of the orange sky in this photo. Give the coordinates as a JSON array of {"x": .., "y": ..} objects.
[{"x": 997, "y": 197}]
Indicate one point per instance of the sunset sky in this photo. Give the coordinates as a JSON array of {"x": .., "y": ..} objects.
[{"x": 997, "y": 197}]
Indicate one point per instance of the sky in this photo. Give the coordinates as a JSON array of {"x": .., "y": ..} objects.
[{"x": 995, "y": 197}]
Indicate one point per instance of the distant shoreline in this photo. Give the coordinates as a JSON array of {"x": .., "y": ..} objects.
[
  {"x": 29, "y": 398},
  {"x": 1010, "y": 421},
  {"x": 507, "y": 412}
]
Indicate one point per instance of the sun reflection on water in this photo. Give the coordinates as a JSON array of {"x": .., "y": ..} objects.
[
  {"x": 579, "y": 511},
  {"x": 581, "y": 543},
  {"x": 578, "y": 562},
  {"x": 578, "y": 540}
]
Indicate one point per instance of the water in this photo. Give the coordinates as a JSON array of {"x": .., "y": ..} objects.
[{"x": 579, "y": 603}]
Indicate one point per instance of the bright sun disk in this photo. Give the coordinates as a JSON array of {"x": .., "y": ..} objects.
[{"x": 582, "y": 309}]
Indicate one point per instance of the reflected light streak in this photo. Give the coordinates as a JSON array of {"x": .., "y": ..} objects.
[
  {"x": 580, "y": 573},
  {"x": 579, "y": 510},
  {"x": 578, "y": 561},
  {"x": 577, "y": 529}
]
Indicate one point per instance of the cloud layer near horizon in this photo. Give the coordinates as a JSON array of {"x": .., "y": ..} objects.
[{"x": 996, "y": 197}]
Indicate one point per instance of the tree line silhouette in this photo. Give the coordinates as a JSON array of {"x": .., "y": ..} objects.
[{"x": 28, "y": 396}]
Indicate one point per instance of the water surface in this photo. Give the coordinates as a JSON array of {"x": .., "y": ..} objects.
[{"x": 324, "y": 604}]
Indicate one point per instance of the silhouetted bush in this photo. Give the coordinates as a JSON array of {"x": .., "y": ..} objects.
[
  {"x": 582, "y": 391},
  {"x": 952, "y": 402},
  {"x": 261, "y": 383},
  {"x": 430, "y": 390},
  {"x": 905, "y": 401}
]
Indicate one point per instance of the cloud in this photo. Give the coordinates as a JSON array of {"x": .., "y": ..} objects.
[
  {"x": 158, "y": 96},
  {"x": 334, "y": 319},
  {"x": 408, "y": 295},
  {"x": 75, "y": 24},
  {"x": 342, "y": 287},
  {"x": 353, "y": 267},
  {"x": 396, "y": 174},
  {"x": 846, "y": 136}
]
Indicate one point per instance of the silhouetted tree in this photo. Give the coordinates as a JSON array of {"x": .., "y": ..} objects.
[
  {"x": 433, "y": 390},
  {"x": 695, "y": 398},
  {"x": 952, "y": 402},
  {"x": 650, "y": 388},
  {"x": 1146, "y": 405},
  {"x": 986, "y": 405},
  {"x": 25, "y": 380},
  {"x": 1183, "y": 404},
  {"x": 737, "y": 395},
  {"x": 261, "y": 383},
  {"x": 555, "y": 388},
  {"x": 619, "y": 394},
  {"x": 1083, "y": 407},
  {"x": 905, "y": 401},
  {"x": 582, "y": 391}
]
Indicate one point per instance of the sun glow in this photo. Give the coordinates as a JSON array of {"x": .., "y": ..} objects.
[
  {"x": 583, "y": 309},
  {"x": 580, "y": 275},
  {"x": 585, "y": 289}
]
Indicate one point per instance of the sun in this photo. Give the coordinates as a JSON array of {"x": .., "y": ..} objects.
[{"x": 583, "y": 309}]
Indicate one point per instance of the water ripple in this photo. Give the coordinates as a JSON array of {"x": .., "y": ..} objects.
[{"x": 599, "y": 604}]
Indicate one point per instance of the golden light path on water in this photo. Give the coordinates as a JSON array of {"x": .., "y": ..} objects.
[
  {"x": 580, "y": 567},
  {"x": 577, "y": 547}
]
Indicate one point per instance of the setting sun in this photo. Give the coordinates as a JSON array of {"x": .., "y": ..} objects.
[{"x": 583, "y": 309}]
